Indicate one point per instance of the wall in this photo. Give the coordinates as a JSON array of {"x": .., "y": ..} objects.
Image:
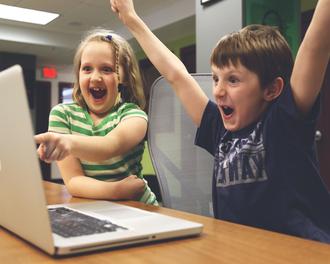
[
  {"x": 212, "y": 22},
  {"x": 174, "y": 45},
  {"x": 281, "y": 13},
  {"x": 307, "y": 4},
  {"x": 65, "y": 74}
]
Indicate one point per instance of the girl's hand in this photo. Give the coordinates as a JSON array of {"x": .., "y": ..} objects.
[
  {"x": 53, "y": 146},
  {"x": 130, "y": 188}
]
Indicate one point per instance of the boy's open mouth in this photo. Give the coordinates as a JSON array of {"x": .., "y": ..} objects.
[
  {"x": 227, "y": 110},
  {"x": 98, "y": 93}
]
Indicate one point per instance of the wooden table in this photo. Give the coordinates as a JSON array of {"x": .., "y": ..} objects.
[{"x": 220, "y": 242}]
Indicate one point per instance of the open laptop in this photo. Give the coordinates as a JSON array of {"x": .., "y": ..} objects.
[{"x": 23, "y": 208}]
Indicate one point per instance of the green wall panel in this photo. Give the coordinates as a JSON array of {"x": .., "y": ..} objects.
[{"x": 281, "y": 13}]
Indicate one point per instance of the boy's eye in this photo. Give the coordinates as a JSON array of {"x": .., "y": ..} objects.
[
  {"x": 233, "y": 79},
  {"x": 215, "y": 79}
]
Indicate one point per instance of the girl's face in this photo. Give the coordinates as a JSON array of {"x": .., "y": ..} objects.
[
  {"x": 239, "y": 96},
  {"x": 98, "y": 80}
]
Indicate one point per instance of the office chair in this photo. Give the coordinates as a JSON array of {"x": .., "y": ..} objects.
[{"x": 184, "y": 171}]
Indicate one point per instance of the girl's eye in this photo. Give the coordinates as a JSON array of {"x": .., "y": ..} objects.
[
  {"x": 107, "y": 69},
  {"x": 86, "y": 68}
]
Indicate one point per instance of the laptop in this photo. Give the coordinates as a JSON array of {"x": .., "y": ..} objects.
[{"x": 62, "y": 229}]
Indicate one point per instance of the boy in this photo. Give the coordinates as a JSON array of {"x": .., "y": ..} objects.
[{"x": 261, "y": 127}]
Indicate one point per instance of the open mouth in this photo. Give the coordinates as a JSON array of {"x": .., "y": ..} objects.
[
  {"x": 97, "y": 93},
  {"x": 227, "y": 110}
]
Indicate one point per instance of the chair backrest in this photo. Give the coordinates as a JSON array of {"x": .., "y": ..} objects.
[{"x": 183, "y": 170}]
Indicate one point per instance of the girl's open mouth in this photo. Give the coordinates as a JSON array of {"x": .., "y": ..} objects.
[{"x": 97, "y": 93}]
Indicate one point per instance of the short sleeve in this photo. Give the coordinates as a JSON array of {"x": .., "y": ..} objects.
[
  {"x": 299, "y": 128},
  {"x": 210, "y": 130},
  {"x": 128, "y": 110},
  {"x": 58, "y": 120}
]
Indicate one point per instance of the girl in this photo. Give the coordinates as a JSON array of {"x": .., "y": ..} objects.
[{"x": 98, "y": 140}]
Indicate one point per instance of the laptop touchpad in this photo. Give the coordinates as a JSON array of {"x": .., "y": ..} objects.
[{"x": 111, "y": 210}]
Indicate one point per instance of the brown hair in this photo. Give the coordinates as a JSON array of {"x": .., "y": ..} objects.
[
  {"x": 259, "y": 48},
  {"x": 124, "y": 57}
]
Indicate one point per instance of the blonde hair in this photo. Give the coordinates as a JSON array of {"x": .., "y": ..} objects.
[
  {"x": 125, "y": 58},
  {"x": 259, "y": 48}
]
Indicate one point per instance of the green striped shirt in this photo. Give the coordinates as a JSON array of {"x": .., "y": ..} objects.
[{"x": 73, "y": 119}]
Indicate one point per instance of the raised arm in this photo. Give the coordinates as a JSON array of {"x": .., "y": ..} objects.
[
  {"x": 312, "y": 59},
  {"x": 56, "y": 146},
  {"x": 186, "y": 88}
]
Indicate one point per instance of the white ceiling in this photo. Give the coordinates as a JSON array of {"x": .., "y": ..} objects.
[{"x": 55, "y": 43}]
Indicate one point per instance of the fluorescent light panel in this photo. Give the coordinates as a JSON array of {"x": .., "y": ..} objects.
[{"x": 26, "y": 15}]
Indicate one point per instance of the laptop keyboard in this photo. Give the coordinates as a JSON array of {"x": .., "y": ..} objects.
[{"x": 69, "y": 223}]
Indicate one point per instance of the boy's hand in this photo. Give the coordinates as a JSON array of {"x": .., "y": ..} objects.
[
  {"x": 53, "y": 146},
  {"x": 130, "y": 188},
  {"x": 124, "y": 9}
]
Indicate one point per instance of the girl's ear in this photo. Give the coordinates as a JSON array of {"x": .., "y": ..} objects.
[{"x": 274, "y": 89}]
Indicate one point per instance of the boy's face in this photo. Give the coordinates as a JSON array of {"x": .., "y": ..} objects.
[
  {"x": 239, "y": 96},
  {"x": 98, "y": 80}
]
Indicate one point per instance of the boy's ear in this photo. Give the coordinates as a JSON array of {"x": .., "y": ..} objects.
[{"x": 274, "y": 89}]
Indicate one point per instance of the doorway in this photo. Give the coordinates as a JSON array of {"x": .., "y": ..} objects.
[{"x": 42, "y": 91}]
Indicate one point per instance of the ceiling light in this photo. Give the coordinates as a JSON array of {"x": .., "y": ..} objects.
[{"x": 26, "y": 15}]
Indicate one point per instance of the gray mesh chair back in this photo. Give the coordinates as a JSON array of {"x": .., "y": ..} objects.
[{"x": 184, "y": 171}]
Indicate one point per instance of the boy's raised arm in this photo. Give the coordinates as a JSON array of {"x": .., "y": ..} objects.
[
  {"x": 312, "y": 59},
  {"x": 192, "y": 97}
]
